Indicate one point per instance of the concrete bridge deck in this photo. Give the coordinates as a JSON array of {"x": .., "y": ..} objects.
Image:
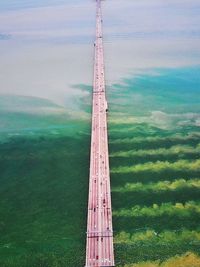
[{"x": 99, "y": 248}]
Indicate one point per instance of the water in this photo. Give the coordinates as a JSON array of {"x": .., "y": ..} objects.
[{"x": 152, "y": 74}]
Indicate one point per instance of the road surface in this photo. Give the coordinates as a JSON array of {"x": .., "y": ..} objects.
[{"x": 99, "y": 247}]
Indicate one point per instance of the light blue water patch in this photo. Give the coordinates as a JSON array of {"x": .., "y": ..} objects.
[
  {"x": 152, "y": 34},
  {"x": 21, "y": 4},
  {"x": 4, "y": 36},
  {"x": 168, "y": 90}
]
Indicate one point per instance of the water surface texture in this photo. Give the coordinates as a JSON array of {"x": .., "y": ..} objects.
[{"x": 153, "y": 87}]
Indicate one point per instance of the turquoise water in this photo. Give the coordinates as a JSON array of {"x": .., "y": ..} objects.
[{"x": 168, "y": 90}]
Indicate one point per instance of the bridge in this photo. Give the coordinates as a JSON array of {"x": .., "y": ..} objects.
[{"x": 99, "y": 247}]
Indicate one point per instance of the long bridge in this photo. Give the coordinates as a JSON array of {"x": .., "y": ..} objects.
[{"x": 99, "y": 247}]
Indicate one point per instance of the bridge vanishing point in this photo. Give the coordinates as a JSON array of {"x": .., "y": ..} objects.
[{"x": 99, "y": 247}]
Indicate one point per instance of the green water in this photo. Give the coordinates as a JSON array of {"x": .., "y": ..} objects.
[
  {"x": 44, "y": 184},
  {"x": 154, "y": 159},
  {"x": 154, "y": 147}
]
